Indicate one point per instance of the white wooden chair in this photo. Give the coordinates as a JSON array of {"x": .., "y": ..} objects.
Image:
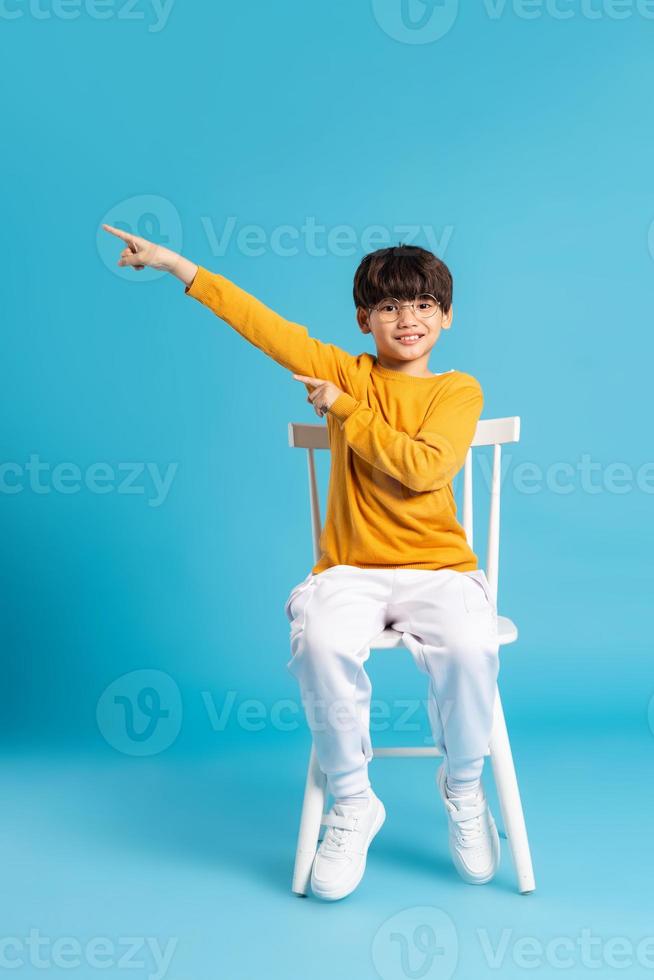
[{"x": 489, "y": 432}]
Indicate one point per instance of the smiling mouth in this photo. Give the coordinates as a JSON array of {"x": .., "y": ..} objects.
[{"x": 409, "y": 338}]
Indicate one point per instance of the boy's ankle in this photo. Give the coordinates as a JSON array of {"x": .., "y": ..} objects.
[
  {"x": 355, "y": 799},
  {"x": 462, "y": 787}
]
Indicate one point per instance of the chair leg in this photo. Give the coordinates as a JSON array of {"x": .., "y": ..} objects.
[
  {"x": 315, "y": 795},
  {"x": 509, "y": 797}
]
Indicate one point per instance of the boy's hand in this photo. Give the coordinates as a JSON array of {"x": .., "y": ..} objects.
[
  {"x": 324, "y": 393},
  {"x": 141, "y": 253}
]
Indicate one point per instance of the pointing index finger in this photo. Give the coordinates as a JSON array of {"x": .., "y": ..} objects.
[
  {"x": 308, "y": 380},
  {"x": 126, "y": 237}
]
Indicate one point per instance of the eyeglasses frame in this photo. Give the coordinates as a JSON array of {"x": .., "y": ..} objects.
[{"x": 412, "y": 305}]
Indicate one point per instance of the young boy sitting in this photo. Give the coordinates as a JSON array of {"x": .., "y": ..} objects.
[{"x": 392, "y": 550}]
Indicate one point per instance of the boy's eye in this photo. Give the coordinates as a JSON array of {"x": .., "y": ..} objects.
[{"x": 426, "y": 304}]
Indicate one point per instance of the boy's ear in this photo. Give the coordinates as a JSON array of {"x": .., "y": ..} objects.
[
  {"x": 362, "y": 319},
  {"x": 446, "y": 322}
]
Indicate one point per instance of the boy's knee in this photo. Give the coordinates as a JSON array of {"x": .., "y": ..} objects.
[
  {"x": 475, "y": 649},
  {"x": 324, "y": 663},
  {"x": 313, "y": 654}
]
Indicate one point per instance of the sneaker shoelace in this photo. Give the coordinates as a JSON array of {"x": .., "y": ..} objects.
[
  {"x": 466, "y": 812},
  {"x": 340, "y": 822}
]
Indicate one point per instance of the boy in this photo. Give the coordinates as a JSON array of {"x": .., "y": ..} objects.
[{"x": 392, "y": 550}]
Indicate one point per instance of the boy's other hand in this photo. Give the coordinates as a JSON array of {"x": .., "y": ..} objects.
[
  {"x": 324, "y": 393},
  {"x": 141, "y": 253}
]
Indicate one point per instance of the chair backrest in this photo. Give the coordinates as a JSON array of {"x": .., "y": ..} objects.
[{"x": 489, "y": 432}]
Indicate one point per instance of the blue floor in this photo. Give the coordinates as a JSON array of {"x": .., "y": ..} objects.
[{"x": 181, "y": 867}]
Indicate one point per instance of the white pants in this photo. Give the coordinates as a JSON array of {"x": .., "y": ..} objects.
[{"x": 448, "y": 622}]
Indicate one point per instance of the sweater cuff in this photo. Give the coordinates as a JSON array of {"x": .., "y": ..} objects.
[
  {"x": 343, "y": 407},
  {"x": 201, "y": 284}
]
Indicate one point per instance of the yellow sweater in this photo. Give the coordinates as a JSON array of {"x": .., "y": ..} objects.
[{"x": 396, "y": 441}]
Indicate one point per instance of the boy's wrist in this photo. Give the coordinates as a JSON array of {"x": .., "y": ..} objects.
[
  {"x": 343, "y": 406},
  {"x": 180, "y": 267}
]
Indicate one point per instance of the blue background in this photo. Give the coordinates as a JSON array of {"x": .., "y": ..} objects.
[{"x": 523, "y": 145}]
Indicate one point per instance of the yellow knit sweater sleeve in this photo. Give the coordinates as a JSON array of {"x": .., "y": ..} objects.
[
  {"x": 430, "y": 459},
  {"x": 286, "y": 342}
]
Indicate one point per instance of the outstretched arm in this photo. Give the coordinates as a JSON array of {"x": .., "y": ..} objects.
[
  {"x": 287, "y": 343},
  {"x": 433, "y": 457}
]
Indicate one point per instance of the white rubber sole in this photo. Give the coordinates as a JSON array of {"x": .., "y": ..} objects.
[{"x": 330, "y": 895}]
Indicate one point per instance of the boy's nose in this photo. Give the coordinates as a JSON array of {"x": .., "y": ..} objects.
[{"x": 406, "y": 317}]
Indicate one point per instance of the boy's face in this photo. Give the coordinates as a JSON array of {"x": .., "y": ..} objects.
[{"x": 410, "y": 320}]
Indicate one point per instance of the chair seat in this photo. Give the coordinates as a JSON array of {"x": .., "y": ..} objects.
[{"x": 388, "y": 638}]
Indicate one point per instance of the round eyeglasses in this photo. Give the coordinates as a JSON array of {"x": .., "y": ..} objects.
[{"x": 389, "y": 308}]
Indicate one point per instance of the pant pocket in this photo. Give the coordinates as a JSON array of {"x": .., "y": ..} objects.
[
  {"x": 295, "y": 593},
  {"x": 477, "y": 595},
  {"x": 296, "y": 607}
]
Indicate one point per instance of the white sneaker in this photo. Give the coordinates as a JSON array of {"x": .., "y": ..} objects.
[
  {"x": 474, "y": 840},
  {"x": 340, "y": 860}
]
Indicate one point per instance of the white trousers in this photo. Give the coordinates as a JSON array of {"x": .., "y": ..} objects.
[{"x": 448, "y": 622}]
